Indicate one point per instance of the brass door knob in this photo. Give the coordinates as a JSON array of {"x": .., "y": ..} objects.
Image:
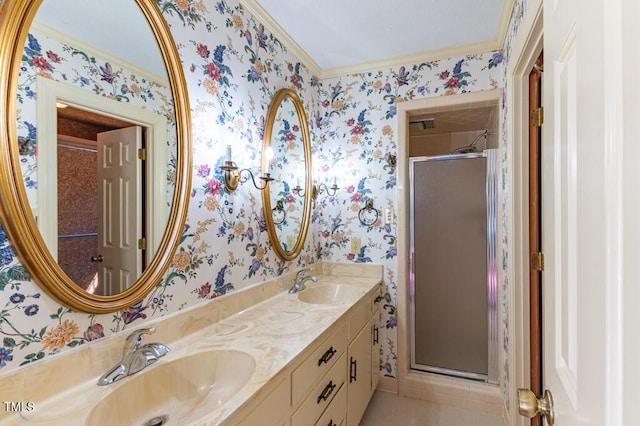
[
  {"x": 529, "y": 405},
  {"x": 96, "y": 259}
]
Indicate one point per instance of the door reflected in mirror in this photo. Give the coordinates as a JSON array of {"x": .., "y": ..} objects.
[{"x": 88, "y": 200}]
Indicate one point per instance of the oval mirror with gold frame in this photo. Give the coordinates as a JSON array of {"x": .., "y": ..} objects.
[
  {"x": 16, "y": 17},
  {"x": 287, "y": 157}
]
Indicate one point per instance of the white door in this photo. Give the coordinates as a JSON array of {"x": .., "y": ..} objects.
[
  {"x": 585, "y": 192},
  {"x": 119, "y": 206}
]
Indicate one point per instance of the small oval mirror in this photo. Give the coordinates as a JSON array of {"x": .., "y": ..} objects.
[
  {"x": 287, "y": 157},
  {"x": 55, "y": 57}
]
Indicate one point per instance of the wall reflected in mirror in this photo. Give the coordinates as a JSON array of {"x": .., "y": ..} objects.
[
  {"x": 96, "y": 53},
  {"x": 286, "y": 155},
  {"x": 287, "y": 168}
]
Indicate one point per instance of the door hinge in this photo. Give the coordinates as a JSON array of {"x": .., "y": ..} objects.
[
  {"x": 537, "y": 261},
  {"x": 536, "y": 117},
  {"x": 142, "y": 154},
  {"x": 142, "y": 244}
]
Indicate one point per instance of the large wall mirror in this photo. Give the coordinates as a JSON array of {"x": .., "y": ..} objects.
[
  {"x": 287, "y": 157},
  {"x": 96, "y": 147}
]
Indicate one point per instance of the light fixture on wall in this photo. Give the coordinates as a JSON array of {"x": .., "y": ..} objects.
[
  {"x": 392, "y": 161},
  {"x": 232, "y": 176},
  {"x": 318, "y": 189}
]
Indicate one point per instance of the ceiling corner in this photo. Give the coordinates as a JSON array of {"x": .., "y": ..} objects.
[{"x": 263, "y": 16}]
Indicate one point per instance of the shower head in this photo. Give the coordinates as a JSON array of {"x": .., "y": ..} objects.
[{"x": 472, "y": 146}]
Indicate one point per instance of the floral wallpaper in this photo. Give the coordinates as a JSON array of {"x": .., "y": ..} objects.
[
  {"x": 358, "y": 123},
  {"x": 233, "y": 67},
  {"x": 286, "y": 168}
]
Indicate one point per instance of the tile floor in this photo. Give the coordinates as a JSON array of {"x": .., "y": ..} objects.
[{"x": 387, "y": 409}]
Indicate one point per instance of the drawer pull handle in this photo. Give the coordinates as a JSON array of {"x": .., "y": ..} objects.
[
  {"x": 353, "y": 370},
  {"x": 327, "y": 356},
  {"x": 377, "y": 300},
  {"x": 375, "y": 335},
  {"x": 331, "y": 423},
  {"x": 326, "y": 391}
]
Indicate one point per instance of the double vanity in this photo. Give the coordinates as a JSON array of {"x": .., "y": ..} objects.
[{"x": 258, "y": 356}]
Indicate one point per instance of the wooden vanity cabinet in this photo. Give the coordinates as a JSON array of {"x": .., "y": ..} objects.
[
  {"x": 357, "y": 348},
  {"x": 376, "y": 322},
  {"x": 364, "y": 362},
  {"x": 271, "y": 410},
  {"x": 334, "y": 383},
  {"x": 359, "y": 376}
]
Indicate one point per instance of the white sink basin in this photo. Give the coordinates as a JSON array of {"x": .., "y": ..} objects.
[
  {"x": 172, "y": 393},
  {"x": 330, "y": 293}
]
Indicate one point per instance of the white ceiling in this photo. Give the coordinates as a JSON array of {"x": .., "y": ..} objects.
[
  {"x": 332, "y": 37},
  {"x": 116, "y": 26},
  {"x": 341, "y": 34}
]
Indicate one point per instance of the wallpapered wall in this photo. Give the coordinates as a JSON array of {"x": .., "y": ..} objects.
[
  {"x": 233, "y": 67},
  {"x": 359, "y": 133}
]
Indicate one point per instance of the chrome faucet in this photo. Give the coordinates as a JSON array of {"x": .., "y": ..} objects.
[
  {"x": 300, "y": 280},
  {"x": 135, "y": 356}
]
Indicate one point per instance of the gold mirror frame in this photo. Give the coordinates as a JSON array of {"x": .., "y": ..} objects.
[
  {"x": 16, "y": 17},
  {"x": 308, "y": 181}
]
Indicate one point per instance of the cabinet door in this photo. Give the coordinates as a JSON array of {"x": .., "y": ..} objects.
[
  {"x": 375, "y": 350},
  {"x": 359, "y": 376}
]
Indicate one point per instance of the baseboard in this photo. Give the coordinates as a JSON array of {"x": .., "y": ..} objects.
[
  {"x": 476, "y": 396},
  {"x": 388, "y": 384}
]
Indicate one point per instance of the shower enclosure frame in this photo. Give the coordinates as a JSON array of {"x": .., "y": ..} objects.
[{"x": 491, "y": 187}]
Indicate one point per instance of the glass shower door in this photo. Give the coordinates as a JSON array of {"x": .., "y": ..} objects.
[{"x": 453, "y": 281}]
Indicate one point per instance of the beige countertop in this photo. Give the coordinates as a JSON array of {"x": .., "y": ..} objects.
[{"x": 274, "y": 331}]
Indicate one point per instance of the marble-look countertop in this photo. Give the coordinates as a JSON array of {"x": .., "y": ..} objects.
[{"x": 275, "y": 332}]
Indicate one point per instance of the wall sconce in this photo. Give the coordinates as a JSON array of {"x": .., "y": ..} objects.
[
  {"x": 322, "y": 188},
  {"x": 392, "y": 161},
  {"x": 317, "y": 190},
  {"x": 232, "y": 177}
]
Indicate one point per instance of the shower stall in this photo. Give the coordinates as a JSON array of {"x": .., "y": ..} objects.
[{"x": 453, "y": 273}]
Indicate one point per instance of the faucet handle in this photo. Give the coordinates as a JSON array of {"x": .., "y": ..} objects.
[
  {"x": 300, "y": 273},
  {"x": 134, "y": 340}
]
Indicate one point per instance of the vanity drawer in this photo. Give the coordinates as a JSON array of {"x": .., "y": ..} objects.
[
  {"x": 336, "y": 412},
  {"x": 317, "y": 364},
  {"x": 322, "y": 394}
]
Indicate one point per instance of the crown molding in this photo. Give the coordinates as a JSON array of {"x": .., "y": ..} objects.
[
  {"x": 292, "y": 46},
  {"x": 462, "y": 50},
  {"x": 505, "y": 20},
  {"x": 61, "y": 37},
  {"x": 431, "y": 55}
]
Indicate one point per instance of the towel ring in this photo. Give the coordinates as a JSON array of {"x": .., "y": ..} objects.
[
  {"x": 279, "y": 210},
  {"x": 365, "y": 214}
]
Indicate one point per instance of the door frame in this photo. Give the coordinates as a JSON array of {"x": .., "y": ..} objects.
[
  {"x": 410, "y": 383},
  {"x": 525, "y": 50},
  {"x": 49, "y": 93},
  {"x": 535, "y": 235}
]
